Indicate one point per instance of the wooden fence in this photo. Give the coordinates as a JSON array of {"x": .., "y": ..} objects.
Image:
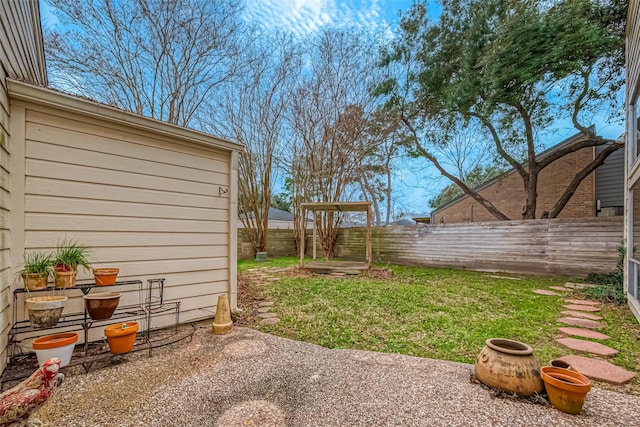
[{"x": 566, "y": 247}]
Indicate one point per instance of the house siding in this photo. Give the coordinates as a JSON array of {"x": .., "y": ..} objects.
[
  {"x": 153, "y": 205},
  {"x": 610, "y": 180},
  {"x": 507, "y": 194},
  {"x": 21, "y": 57},
  {"x": 632, "y": 164}
]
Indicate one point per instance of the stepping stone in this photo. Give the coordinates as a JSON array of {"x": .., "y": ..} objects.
[
  {"x": 577, "y": 307},
  {"x": 582, "y": 302},
  {"x": 274, "y": 279},
  {"x": 600, "y": 370},
  {"x": 269, "y": 321},
  {"x": 584, "y": 333},
  {"x": 582, "y": 315},
  {"x": 266, "y": 304},
  {"x": 587, "y": 346},
  {"x": 561, "y": 288},
  {"x": 580, "y": 285},
  {"x": 544, "y": 292},
  {"x": 267, "y": 315},
  {"x": 506, "y": 277},
  {"x": 583, "y": 323},
  {"x": 264, "y": 309}
]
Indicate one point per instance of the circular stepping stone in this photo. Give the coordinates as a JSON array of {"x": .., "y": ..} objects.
[
  {"x": 581, "y": 315},
  {"x": 600, "y": 370},
  {"x": 267, "y": 315},
  {"x": 264, "y": 309},
  {"x": 561, "y": 288},
  {"x": 587, "y": 346},
  {"x": 270, "y": 321},
  {"x": 584, "y": 333},
  {"x": 577, "y": 307},
  {"x": 544, "y": 292},
  {"x": 582, "y": 302},
  {"x": 266, "y": 304},
  {"x": 583, "y": 323}
]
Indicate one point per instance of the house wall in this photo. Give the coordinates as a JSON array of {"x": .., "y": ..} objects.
[
  {"x": 507, "y": 194},
  {"x": 632, "y": 163},
  {"x": 153, "y": 203},
  {"x": 21, "y": 56}
]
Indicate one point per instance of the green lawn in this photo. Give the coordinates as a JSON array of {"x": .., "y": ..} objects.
[{"x": 437, "y": 313}]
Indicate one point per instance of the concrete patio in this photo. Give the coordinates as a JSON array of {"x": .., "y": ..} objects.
[{"x": 249, "y": 378}]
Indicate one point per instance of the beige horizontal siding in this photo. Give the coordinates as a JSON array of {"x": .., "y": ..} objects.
[
  {"x": 5, "y": 204},
  {"x": 151, "y": 206},
  {"x": 21, "y": 41}
]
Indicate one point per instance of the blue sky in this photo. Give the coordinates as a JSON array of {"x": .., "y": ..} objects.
[
  {"x": 302, "y": 17},
  {"x": 415, "y": 181}
]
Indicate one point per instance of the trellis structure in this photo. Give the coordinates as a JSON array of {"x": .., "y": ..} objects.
[{"x": 330, "y": 266}]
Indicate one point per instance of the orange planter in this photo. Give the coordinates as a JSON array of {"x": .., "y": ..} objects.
[
  {"x": 57, "y": 345},
  {"x": 121, "y": 337},
  {"x": 105, "y": 276},
  {"x": 567, "y": 389}
]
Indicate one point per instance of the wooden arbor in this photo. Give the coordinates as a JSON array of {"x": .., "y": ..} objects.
[{"x": 337, "y": 266}]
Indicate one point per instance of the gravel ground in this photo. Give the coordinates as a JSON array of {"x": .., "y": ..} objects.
[{"x": 249, "y": 378}]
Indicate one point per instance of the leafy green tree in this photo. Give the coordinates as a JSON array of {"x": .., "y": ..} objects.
[
  {"x": 281, "y": 201},
  {"x": 514, "y": 67}
]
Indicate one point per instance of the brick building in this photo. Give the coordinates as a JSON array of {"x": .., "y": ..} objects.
[{"x": 600, "y": 194}]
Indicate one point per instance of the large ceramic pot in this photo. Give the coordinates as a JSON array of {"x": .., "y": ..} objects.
[
  {"x": 121, "y": 337},
  {"x": 567, "y": 390},
  {"x": 105, "y": 276},
  {"x": 57, "y": 345},
  {"x": 44, "y": 312},
  {"x": 101, "y": 306},
  {"x": 509, "y": 365}
]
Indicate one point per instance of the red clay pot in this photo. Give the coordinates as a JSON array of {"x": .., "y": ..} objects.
[
  {"x": 567, "y": 389},
  {"x": 105, "y": 276},
  {"x": 121, "y": 337}
]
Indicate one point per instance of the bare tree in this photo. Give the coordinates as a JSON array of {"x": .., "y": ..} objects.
[
  {"x": 253, "y": 112},
  {"x": 329, "y": 118},
  {"x": 157, "y": 58}
]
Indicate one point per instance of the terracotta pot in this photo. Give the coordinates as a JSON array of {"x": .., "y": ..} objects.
[
  {"x": 509, "y": 365},
  {"x": 105, "y": 276},
  {"x": 65, "y": 279},
  {"x": 561, "y": 364},
  {"x": 56, "y": 345},
  {"x": 101, "y": 306},
  {"x": 35, "y": 281},
  {"x": 44, "y": 312},
  {"x": 567, "y": 390},
  {"x": 121, "y": 337}
]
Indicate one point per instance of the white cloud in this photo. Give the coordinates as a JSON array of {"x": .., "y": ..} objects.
[{"x": 302, "y": 17}]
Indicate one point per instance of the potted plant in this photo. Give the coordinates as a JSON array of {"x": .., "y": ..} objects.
[
  {"x": 38, "y": 267},
  {"x": 69, "y": 255}
]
